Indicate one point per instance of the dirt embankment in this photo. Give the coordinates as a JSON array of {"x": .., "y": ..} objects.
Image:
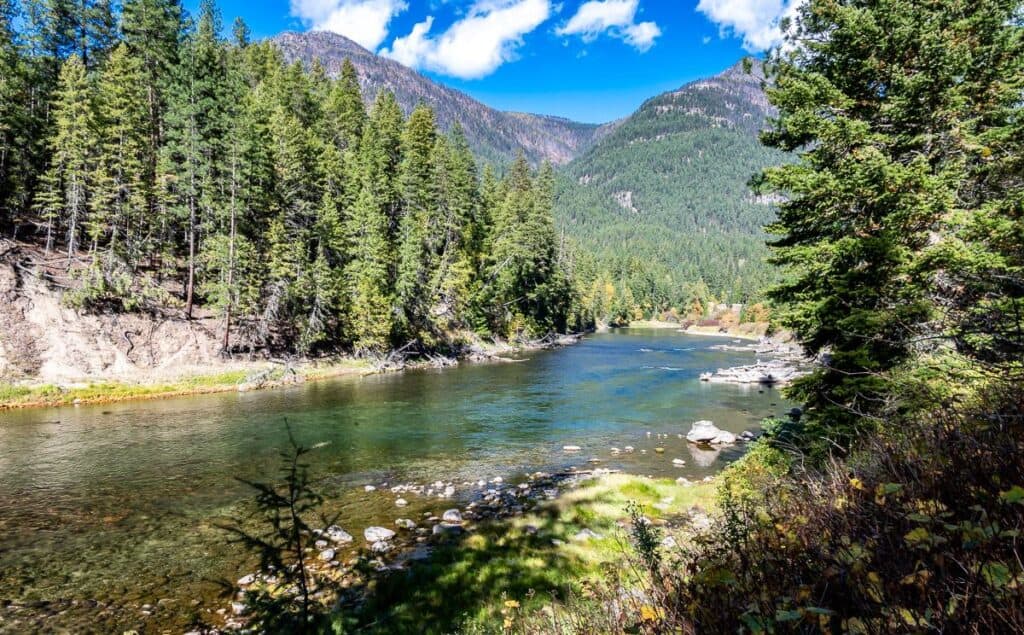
[{"x": 44, "y": 341}]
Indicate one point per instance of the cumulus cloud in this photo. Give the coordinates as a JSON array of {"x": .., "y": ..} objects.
[
  {"x": 755, "y": 21},
  {"x": 489, "y": 35},
  {"x": 617, "y": 18},
  {"x": 364, "y": 21}
]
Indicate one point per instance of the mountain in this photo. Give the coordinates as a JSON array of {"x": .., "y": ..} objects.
[
  {"x": 668, "y": 189},
  {"x": 494, "y": 135}
]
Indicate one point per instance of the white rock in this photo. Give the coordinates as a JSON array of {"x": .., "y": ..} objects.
[
  {"x": 401, "y": 502},
  {"x": 327, "y": 555},
  {"x": 238, "y": 608},
  {"x": 678, "y": 462},
  {"x": 707, "y": 432},
  {"x": 247, "y": 580},
  {"x": 449, "y": 491},
  {"x": 452, "y": 516},
  {"x": 629, "y": 448},
  {"x": 405, "y": 523},
  {"x": 369, "y": 488},
  {"x": 380, "y": 547},
  {"x": 571, "y": 448},
  {"x": 377, "y": 534},
  {"x": 337, "y": 534}
]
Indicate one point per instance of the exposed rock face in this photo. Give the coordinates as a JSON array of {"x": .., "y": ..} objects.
[
  {"x": 493, "y": 135},
  {"x": 705, "y": 432}
]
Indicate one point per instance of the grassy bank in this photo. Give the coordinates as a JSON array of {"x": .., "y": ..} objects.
[
  {"x": 504, "y": 570},
  {"x": 261, "y": 376}
]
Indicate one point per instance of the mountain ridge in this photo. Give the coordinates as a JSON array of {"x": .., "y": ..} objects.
[{"x": 495, "y": 135}]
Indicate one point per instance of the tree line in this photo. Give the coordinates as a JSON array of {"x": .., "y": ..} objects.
[{"x": 171, "y": 167}]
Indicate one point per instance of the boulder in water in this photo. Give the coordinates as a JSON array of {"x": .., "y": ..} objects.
[{"x": 706, "y": 432}]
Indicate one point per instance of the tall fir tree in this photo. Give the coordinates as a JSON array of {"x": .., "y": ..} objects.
[
  {"x": 121, "y": 190},
  {"x": 64, "y": 201},
  {"x": 884, "y": 103},
  {"x": 418, "y": 186}
]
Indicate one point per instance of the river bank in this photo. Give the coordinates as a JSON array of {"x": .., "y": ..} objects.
[
  {"x": 229, "y": 376},
  {"x": 512, "y": 550}
]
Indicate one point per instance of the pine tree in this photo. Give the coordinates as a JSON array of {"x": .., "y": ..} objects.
[
  {"x": 119, "y": 215},
  {"x": 417, "y": 258},
  {"x": 879, "y": 100},
  {"x": 15, "y": 121},
  {"x": 152, "y": 32},
  {"x": 193, "y": 156},
  {"x": 344, "y": 109},
  {"x": 64, "y": 201}
]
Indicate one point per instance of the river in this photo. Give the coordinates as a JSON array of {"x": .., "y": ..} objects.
[{"x": 109, "y": 514}]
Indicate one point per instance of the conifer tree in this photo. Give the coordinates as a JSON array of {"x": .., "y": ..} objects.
[
  {"x": 419, "y": 209},
  {"x": 193, "y": 155},
  {"x": 64, "y": 201},
  {"x": 885, "y": 103},
  {"x": 119, "y": 203},
  {"x": 15, "y": 119}
]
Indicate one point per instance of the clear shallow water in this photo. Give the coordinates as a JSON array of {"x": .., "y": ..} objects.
[{"x": 119, "y": 503}]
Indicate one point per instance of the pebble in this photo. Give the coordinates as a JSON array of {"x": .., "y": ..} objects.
[
  {"x": 449, "y": 491},
  {"x": 405, "y": 523},
  {"x": 401, "y": 502},
  {"x": 678, "y": 462},
  {"x": 629, "y": 448},
  {"x": 369, "y": 488},
  {"x": 327, "y": 555},
  {"x": 571, "y": 448},
  {"x": 321, "y": 544},
  {"x": 380, "y": 547},
  {"x": 238, "y": 608},
  {"x": 247, "y": 579}
]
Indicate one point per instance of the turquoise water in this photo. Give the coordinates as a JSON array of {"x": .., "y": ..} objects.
[{"x": 119, "y": 504}]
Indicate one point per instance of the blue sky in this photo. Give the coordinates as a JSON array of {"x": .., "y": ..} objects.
[{"x": 589, "y": 60}]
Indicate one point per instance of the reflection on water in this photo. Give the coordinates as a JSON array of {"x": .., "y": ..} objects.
[{"x": 119, "y": 503}]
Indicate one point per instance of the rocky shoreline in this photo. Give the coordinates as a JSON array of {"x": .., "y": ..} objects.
[
  {"x": 343, "y": 565},
  {"x": 787, "y": 363}
]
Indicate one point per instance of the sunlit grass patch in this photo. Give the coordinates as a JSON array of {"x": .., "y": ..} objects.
[{"x": 530, "y": 560}]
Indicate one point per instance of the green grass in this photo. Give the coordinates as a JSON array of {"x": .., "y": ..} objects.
[
  {"x": 464, "y": 584},
  {"x": 16, "y": 395}
]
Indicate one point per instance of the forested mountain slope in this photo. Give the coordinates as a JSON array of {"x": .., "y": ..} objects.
[
  {"x": 664, "y": 202},
  {"x": 493, "y": 135}
]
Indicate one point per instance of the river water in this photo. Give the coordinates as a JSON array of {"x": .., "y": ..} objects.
[{"x": 107, "y": 509}]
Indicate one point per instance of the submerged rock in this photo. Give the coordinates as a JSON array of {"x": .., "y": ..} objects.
[
  {"x": 447, "y": 529},
  {"x": 405, "y": 523}
]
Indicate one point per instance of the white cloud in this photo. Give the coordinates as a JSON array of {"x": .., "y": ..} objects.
[
  {"x": 756, "y": 21},
  {"x": 364, "y": 21},
  {"x": 476, "y": 45},
  {"x": 617, "y": 18}
]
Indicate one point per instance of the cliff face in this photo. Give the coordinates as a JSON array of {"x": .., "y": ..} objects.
[{"x": 494, "y": 135}]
